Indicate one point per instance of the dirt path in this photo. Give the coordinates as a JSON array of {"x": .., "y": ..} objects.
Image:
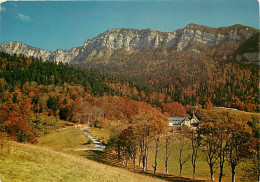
[{"x": 98, "y": 145}]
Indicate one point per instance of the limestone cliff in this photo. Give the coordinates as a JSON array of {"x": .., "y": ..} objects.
[{"x": 134, "y": 39}]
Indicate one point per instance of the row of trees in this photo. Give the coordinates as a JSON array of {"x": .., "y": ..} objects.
[
  {"x": 134, "y": 141},
  {"x": 225, "y": 140}
]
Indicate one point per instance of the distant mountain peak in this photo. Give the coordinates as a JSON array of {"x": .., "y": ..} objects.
[{"x": 136, "y": 39}]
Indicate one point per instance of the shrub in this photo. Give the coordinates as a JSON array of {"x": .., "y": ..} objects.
[
  {"x": 90, "y": 142},
  {"x": 97, "y": 124}
]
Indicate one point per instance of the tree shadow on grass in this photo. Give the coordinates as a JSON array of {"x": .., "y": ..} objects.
[{"x": 111, "y": 159}]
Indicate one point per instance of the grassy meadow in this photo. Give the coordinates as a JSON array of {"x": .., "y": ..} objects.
[
  {"x": 67, "y": 140},
  {"x": 235, "y": 111},
  {"x": 27, "y": 162}
]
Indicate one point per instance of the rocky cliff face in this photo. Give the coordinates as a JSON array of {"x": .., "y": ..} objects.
[
  {"x": 21, "y": 48},
  {"x": 132, "y": 39},
  {"x": 139, "y": 39}
]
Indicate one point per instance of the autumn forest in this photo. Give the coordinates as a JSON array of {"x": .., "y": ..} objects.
[{"x": 36, "y": 95}]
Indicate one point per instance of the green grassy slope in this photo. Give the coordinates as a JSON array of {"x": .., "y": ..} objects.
[
  {"x": 65, "y": 141},
  {"x": 33, "y": 163}
]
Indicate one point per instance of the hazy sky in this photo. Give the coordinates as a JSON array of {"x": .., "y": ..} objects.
[{"x": 63, "y": 25}]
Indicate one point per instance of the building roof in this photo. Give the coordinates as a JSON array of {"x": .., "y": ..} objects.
[
  {"x": 177, "y": 120},
  {"x": 195, "y": 118}
]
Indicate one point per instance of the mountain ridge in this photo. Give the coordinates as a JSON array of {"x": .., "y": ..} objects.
[{"x": 136, "y": 39}]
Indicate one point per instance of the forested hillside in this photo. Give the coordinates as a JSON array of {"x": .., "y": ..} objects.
[
  {"x": 16, "y": 70},
  {"x": 161, "y": 75},
  {"x": 34, "y": 95}
]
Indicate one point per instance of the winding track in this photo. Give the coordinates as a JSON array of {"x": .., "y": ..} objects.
[{"x": 98, "y": 145}]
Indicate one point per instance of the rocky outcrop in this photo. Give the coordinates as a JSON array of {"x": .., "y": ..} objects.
[
  {"x": 249, "y": 58},
  {"x": 139, "y": 39},
  {"x": 64, "y": 56},
  {"x": 21, "y": 48},
  {"x": 133, "y": 39}
]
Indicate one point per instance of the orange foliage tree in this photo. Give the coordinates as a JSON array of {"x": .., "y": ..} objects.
[{"x": 174, "y": 109}]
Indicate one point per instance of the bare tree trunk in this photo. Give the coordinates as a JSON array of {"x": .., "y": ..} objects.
[
  {"x": 118, "y": 153},
  {"x": 146, "y": 158},
  {"x": 194, "y": 170},
  {"x": 143, "y": 153},
  {"x": 156, "y": 154},
  {"x": 126, "y": 160},
  {"x": 180, "y": 162},
  {"x": 220, "y": 173},
  {"x": 195, "y": 146},
  {"x": 140, "y": 160},
  {"x": 193, "y": 160},
  {"x": 140, "y": 155},
  {"x": 134, "y": 156},
  {"x": 211, "y": 172},
  {"x": 166, "y": 154},
  {"x": 143, "y": 159},
  {"x": 181, "y": 150},
  {"x": 233, "y": 168},
  {"x": 180, "y": 169}
]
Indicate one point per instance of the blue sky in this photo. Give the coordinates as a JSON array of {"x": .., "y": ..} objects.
[{"x": 63, "y": 25}]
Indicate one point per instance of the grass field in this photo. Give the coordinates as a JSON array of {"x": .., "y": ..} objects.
[
  {"x": 65, "y": 140},
  {"x": 234, "y": 111},
  {"x": 34, "y": 163}
]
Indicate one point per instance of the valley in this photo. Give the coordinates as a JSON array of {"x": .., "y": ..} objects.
[{"x": 122, "y": 86}]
